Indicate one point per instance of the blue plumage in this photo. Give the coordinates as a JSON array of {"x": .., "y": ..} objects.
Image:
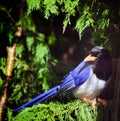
[
  {"x": 76, "y": 77},
  {"x": 83, "y": 81},
  {"x": 40, "y": 97},
  {"x": 73, "y": 79}
]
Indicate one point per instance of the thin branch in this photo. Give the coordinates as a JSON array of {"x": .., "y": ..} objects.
[{"x": 9, "y": 15}]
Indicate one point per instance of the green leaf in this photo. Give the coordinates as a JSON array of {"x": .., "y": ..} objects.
[
  {"x": 41, "y": 37},
  {"x": 9, "y": 114},
  {"x": 1, "y": 82},
  {"x": 84, "y": 21},
  {"x": 45, "y": 84},
  {"x": 105, "y": 13},
  {"x": 50, "y": 8},
  {"x": 33, "y": 5},
  {"x": 52, "y": 39},
  {"x": 27, "y": 23},
  {"x": 103, "y": 23},
  {"x": 3, "y": 64},
  {"x": 41, "y": 52},
  {"x": 30, "y": 42},
  {"x": 66, "y": 22},
  {"x": 69, "y": 8},
  {"x": 19, "y": 50},
  {"x": 42, "y": 72}
]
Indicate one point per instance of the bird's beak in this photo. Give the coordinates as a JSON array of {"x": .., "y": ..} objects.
[{"x": 90, "y": 58}]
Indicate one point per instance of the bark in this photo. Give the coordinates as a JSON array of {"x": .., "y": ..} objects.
[
  {"x": 116, "y": 99},
  {"x": 9, "y": 71}
]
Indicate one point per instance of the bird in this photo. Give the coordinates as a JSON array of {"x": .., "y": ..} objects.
[{"x": 86, "y": 81}]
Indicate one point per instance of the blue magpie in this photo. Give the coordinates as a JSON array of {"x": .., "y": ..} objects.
[{"x": 86, "y": 81}]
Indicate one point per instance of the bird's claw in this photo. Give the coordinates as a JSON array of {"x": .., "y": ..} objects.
[
  {"x": 104, "y": 102},
  {"x": 93, "y": 102}
]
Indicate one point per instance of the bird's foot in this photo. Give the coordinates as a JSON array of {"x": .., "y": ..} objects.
[
  {"x": 93, "y": 102},
  {"x": 104, "y": 102}
]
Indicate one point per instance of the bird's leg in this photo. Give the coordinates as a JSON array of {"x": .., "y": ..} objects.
[
  {"x": 104, "y": 102},
  {"x": 93, "y": 102},
  {"x": 90, "y": 58}
]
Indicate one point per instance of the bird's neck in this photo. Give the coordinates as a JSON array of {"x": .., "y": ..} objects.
[{"x": 103, "y": 69}]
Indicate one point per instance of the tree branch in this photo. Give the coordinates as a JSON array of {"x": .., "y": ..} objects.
[{"x": 9, "y": 71}]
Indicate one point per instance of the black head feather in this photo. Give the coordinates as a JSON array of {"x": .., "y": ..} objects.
[{"x": 103, "y": 64}]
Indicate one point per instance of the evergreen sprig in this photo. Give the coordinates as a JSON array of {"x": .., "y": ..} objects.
[{"x": 55, "y": 111}]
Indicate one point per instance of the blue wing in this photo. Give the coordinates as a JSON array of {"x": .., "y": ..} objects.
[{"x": 76, "y": 77}]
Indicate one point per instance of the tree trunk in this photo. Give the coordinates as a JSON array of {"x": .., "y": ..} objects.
[
  {"x": 9, "y": 70},
  {"x": 116, "y": 99}
]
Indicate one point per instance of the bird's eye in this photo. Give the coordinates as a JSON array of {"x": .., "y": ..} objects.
[{"x": 99, "y": 54}]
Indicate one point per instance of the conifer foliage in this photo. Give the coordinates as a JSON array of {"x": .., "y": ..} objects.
[{"x": 72, "y": 111}]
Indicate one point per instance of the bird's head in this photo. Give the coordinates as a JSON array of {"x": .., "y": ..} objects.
[
  {"x": 100, "y": 53},
  {"x": 103, "y": 62}
]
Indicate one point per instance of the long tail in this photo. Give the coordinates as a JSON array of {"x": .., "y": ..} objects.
[{"x": 40, "y": 98}]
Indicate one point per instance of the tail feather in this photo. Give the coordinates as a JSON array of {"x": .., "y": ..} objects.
[
  {"x": 40, "y": 97},
  {"x": 47, "y": 96}
]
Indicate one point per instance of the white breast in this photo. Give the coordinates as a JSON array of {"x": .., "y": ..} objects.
[{"x": 91, "y": 88}]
